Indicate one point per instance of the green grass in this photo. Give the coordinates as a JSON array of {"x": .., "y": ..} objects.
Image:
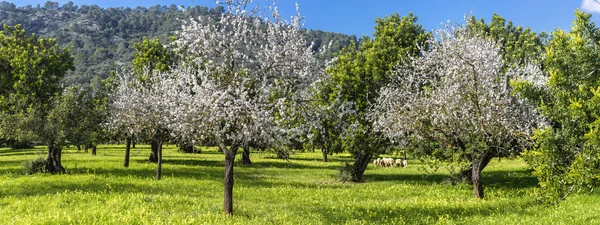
[{"x": 303, "y": 190}]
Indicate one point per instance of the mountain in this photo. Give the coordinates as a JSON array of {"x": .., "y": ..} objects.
[{"x": 102, "y": 38}]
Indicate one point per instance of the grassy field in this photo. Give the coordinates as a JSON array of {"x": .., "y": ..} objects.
[{"x": 303, "y": 190}]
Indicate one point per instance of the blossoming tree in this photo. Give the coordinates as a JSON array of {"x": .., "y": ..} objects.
[
  {"x": 457, "y": 96},
  {"x": 242, "y": 77}
]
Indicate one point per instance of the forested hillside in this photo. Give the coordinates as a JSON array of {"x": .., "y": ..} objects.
[{"x": 103, "y": 38}]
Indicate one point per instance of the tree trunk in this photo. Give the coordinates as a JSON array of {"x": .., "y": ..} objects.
[
  {"x": 159, "y": 143},
  {"x": 360, "y": 165},
  {"x": 324, "y": 151},
  {"x": 476, "y": 176},
  {"x": 228, "y": 181},
  {"x": 467, "y": 174},
  {"x": 53, "y": 160},
  {"x": 132, "y": 142},
  {"x": 187, "y": 147},
  {"x": 283, "y": 154},
  {"x": 93, "y": 149},
  {"x": 153, "y": 151},
  {"x": 246, "y": 156},
  {"x": 127, "y": 152},
  {"x": 86, "y": 147},
  {"x": 78, "y": 148}
]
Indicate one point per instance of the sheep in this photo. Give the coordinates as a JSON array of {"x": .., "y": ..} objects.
[
  {"x": 398, "y": 162},
  {"x": 377, "y": 162},
  {"x": 388, "y": 162},
  {"x": 404, "y": 163}
]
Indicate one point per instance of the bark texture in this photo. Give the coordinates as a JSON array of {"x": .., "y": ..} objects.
[
  {"x": 476, "y": 176},
  {"x": 153, "y": 151},
  {"x": 159, "y": 143},
  {"x": 127, "y": 152},
  {"x": 228, "y": 180},
  {"x": 467, "y": 174},
  {"x": 53, "y": 160},
  {"x": 360, "y": 165}
]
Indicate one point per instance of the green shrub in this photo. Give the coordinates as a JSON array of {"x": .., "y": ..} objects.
[
  {"x": 34, "y": 166},
  {"x": 345, "y": 173}
]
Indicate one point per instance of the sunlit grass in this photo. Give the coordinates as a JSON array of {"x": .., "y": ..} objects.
[{"x": 302, "y": 190}]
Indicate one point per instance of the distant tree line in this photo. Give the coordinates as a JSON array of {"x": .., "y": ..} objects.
[{"x": 103, "y": 38}]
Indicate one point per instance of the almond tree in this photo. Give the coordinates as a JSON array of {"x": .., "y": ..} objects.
[
  {"x": 240, "y": 80},
  {"x": 457, "y": 96},
  {"x": 138, "y": 106}
]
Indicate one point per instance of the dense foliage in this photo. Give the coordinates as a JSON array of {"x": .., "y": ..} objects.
[
  {"x": 358, "y": 74},
  {"x": 31, "y": 70},
  {"x": 566, "y": 156}
]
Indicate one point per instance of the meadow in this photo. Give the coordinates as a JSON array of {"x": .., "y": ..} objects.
[{"x": 302, "y": 190}]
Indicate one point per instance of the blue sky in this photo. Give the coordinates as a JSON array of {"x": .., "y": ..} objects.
[{"x": 357, "y": 16}]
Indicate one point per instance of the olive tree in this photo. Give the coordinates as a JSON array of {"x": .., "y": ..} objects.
[
  {"x": 358, "y": 74},
  {"x": 30, "y": 72},
  {"x": 457, "y": 96}
]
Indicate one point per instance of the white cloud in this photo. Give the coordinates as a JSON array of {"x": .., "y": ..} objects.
[{"x": 591, "y": 6}]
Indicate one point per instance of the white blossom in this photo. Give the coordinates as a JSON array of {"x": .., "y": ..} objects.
[{"x": 457, "y": 90}]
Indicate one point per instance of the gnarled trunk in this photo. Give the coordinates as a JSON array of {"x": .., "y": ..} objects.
[
  {"x": 228, "y": 180},
  {"x": 127, "y": 151},
  {"x": 246, "y": 156},
  {"x": 324, "y": 151},
  {"x": 53, "y": 160},
  {"x": 467, "y": 174},
  {"x": 476, "y": 176},
  {"x": 360, "y": 165}
]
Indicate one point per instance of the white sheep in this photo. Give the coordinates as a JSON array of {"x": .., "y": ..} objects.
[
  {"x": 398, "y": 162},
  {"x": 404, "y": 163},
  {"x": 388, "y": 162}
]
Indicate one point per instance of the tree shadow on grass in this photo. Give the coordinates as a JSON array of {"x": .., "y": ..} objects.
[
  {"x": 418, "y": 214},
  {"x": 509, "y": 179},
  {"x": 408, "y": 178},
  {"x": 519, "y": 179},
  {"x": 18, "y": 152},
  {"x": 261, "y": 164},
  {"x": 105, "y": 180},
  {"x": 320, "y": 160}
]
